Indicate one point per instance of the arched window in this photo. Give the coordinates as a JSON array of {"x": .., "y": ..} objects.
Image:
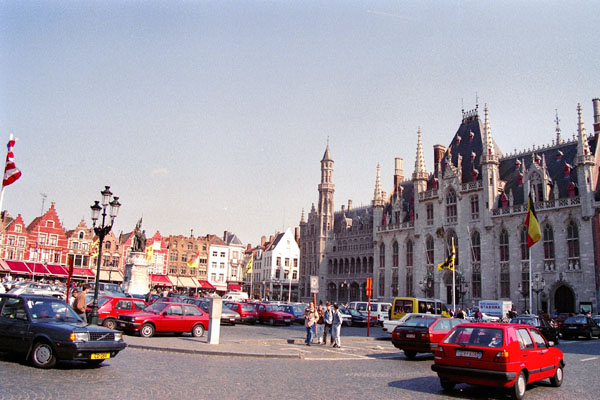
[
  {"x": 382, "y": 255},
  {"x": 451, "y": 206},
  {"x": 475, "y": 265},
  {"x": 81, "y": 235},
  {"x": 504, "y": 253},
  {"x": 107, "y": 245},
  {"x": 409, "y": 253},
  {"x": 548, "y": 242},
  {"x": 395, "y": 254},
  {"x": 524, "y": 248},
  {"x": 475, "y": 246},
  {"x": 429, "y": 250},
  {"x": 573, "y": 246},
  {"x": 395, "y": 282},
  {"x": 409, "y": 281}
]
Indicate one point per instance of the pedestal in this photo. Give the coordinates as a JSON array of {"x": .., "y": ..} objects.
[
  {"x": 214, "y": 325},
  {"x": 135, "y": 277}
]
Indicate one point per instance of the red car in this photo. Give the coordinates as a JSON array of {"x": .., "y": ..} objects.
[
  {"x": 272, "y": 314},
  {"x": 501, "y": 355},
  {"x": 247, "y": 311},
  {"x": 165, "y": 317},
  {"x": 109, "y": 309},
  {"x": 422, "y": 335}
]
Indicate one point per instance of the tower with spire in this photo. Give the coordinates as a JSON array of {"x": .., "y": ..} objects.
[
  {"x": 584, "y": 162},
  {"x": 326, "y": 190},
  {"x": 490, "y": 173},
  {"x": 419, "y": 177}
]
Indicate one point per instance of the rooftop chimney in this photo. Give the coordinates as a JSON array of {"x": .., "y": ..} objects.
[
  {"x": 398, "y": 173},
  {"x": 596, "y": 103},
  {"x": 263, "y": 240},
  {"x": 438, "y": 155},
  {"x": 225, "y": 234}
]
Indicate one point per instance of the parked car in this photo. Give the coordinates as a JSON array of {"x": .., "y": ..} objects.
[
  {"x": 42, "y": 289},
  {"x": 390, "y": 324},
  {"x": 46, "y": 330},
  {"x": 165, "y": 317},
  {"x": 247, "y": 312},
  {"x": 297, "y": 310},
  {"x": 579, "y": 325},
  {"x": 228, "y": 316},
  {"x": 109, "y": 309},
  {"x": 500, "y": 355},
  {"x": 422, "y": 335},
  {"x": 549, "y": 330},
  {"x": 272, "y": 314},
  {"x": 561, "y": 318},
  {"x": 596, "y": 319},
  {"x": 356, "y": 318},
  {"x": 346, "y": 316},
  {"x": 484, "y": 318}
]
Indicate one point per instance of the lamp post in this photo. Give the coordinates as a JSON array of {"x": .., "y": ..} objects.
[
  {"x": 101, "y": 231},
  {"x": 346, "y": 285},
  {"x": 524, "y": 290},
  {"x": 538, "y": 286},
  {"x": 426, "y": 284}
]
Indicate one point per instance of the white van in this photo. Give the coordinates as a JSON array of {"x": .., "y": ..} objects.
[
  {"x": 378, "y": 309},
  {"x": 235, "y": 296}
]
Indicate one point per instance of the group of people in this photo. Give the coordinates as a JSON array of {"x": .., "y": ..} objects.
[{"x": 322, "y": 322}]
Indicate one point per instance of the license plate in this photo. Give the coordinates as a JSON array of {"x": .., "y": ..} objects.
[
  {"x": 121, "y": 324},
  {"x": 471, "y": 354},
  {"x": 288, "y": 320},
  {"x": 410, "y": 335},
  {"x": 100, "y": 356},
  {"x": 572, "y": 327}
]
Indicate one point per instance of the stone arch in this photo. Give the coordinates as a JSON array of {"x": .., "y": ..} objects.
[
  {"x": 564, "y": 298},
  {"x": 331, "y": 291}
]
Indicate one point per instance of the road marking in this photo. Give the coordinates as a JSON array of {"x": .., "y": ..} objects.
[{"x": 590, "y": 359}]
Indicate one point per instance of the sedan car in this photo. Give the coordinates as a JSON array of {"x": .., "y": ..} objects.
[
  {"x": 500, "y": 355},
  {"x": 355, "y": 318},
  {"x": 422, "y": 335},
  {"x": 46, "y": 330},
  {"x": 548, "y": 329},
  {"x": 165, "y": 317},
  {"x": 109, "y": 309},
  {"x": 579, "y": 325}
]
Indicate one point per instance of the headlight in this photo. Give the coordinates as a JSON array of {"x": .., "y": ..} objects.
[
  {"x": 118, "y": 336},
  {"x": 79, "y": 336}
]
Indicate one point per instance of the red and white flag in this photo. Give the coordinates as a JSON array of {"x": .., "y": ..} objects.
[{"x": 11, "y": 172}]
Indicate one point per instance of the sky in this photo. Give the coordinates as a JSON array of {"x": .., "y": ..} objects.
[{"x": 214, "y": 115}]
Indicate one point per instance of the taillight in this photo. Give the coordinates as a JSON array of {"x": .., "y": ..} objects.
[
  {"x": 501, "y": 356},
  {"x": 439, "y": 352}
]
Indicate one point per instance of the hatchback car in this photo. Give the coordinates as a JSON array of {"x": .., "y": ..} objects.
[
  {"x": 500, "y": 355},
  {"x": 549, "y": 330},
  {"x": 246, "y": 311},
  {"x": 46, "y": 330},
  {"x": 109, "y": 309},
  {"x": 165, "y": 318},
  {"x": 579, "y": 325},
  {"x": 422, "y": 335}
]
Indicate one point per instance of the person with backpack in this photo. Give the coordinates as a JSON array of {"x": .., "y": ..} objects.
[{"x": 337, "y": 326}]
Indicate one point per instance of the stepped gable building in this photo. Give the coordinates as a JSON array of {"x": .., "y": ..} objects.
[
  {"x": 46, "y": 239},
  {"x": 335, "y": 246},
  {"x": 476, "y": 197}
]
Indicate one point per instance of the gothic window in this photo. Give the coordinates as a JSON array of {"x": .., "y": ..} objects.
[
  {"x": 537, "y": 186},
  {"x": 395, "y": 254},
  {"x": 382, "y": 255},
  {"x": 409, "y": 281},
  {"x": 409, "y": 253},
  {"x": 504, "y": 253},
  {"x": 504, "y": 280},
  {"x": 395, "y": 282},
  {"x": 381, "y": 284},
  {"x": 429, "y": 214},
  {"x": 476, "y": 281},
  {"x": 429, "y": 250},
  {"x": 475, "y": 207},
  {"x": 548, "y": 242},
  {"x": 525, "y": 280},
  {"x": 524, "y": 248},
  {"x": 475, "y": 247},
  {"x": 451, "y": 206},
  {"x": 573, "y": 246}
]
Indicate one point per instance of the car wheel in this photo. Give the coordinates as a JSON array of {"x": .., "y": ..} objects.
[
  {"x": 147, "y": 330},
  {"x": 410, "y": 354},
  {"x": 447, "y": 385},
  {"x": 518, "y": 390},
  {"x": 198, "y": 330},
  {"x": 109, "y": 323},
  {"x": 557, "y": 379},
  {"x": 271, "y": 321},
  {"x": 43, "y": 355}
]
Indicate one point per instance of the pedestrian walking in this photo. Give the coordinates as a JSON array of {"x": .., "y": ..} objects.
[
  {"x": 320, "y": 324},
  {"x": 310, "y": 320},
  {"x": 74, "y": 294},
  {"x": 80, "y": 302},
  {"x": 337, "y": 326},
  {"x": 328, "y": 322}
]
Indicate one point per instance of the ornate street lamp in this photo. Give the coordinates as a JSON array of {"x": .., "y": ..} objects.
[
  {"x": 346, "y": 286},
  {"x": 426, "y": 284},
  {"x": 524, "y": 290},
  {"x": 538, "y": 286},
  {"x": 101, "y": 231}
]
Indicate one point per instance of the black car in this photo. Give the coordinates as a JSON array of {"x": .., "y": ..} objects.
[
  {"x": 46, "y": 330},
  {"x": 550, "y": 331},
  {"x": 579, "y": 325},
  {"x": 357, "y": 318}
]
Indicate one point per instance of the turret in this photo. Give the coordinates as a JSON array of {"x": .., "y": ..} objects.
[{"x": 419, "y": 177}]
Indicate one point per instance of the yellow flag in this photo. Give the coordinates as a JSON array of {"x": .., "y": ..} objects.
[
  {"x": 249, "y": 265},
  {"x": 193, "y": 262},
  {"x": 95, "y": 248},
  {"x": 150, "y": 253},
  {"x": 449, "y": 261}
]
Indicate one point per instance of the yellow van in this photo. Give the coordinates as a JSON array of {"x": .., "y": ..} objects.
[{"x": 404, "y": 305}]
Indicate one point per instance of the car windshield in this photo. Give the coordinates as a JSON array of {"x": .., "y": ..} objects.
[
  {"x": 273, "y": 307},
  {"x": 102, "y": 301},
  {"x": 44, "y": 309},
  {"x": 420, "y": 322},
  {"x": 576, "y": 320},
  {"x": 354, "y": 312},
  {"x": 156, "y": 307},
  {"x": 475, "y": 336},
  {"x": 299, "y": 309},
  {"x": 528, "y": 321},
  {"x": 248, "y": 307}
]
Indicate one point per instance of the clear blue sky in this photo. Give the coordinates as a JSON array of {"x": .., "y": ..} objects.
[{"x": 214, "y": 115}]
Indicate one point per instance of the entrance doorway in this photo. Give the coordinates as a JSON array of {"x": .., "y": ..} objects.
[{"x": 564, "y": 300}]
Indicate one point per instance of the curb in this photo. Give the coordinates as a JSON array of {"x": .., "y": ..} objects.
[{"x": 217, "y": 353}]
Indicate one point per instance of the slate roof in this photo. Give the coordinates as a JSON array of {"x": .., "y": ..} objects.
[{"x": 361, "y": 215}]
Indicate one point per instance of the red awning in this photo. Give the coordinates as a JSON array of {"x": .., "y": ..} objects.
[
  {"x": 160, "y": 280},
  {"x": 84, "y": 272},
  {"x": 57, "y": 270},
  {"x": 234, "y": 286},
  {"x": 37, "y": 268},
  {"x": 4, "y": 266},
  {"x": 18, "y": 267},
  {"x": 205, "y": 285}
]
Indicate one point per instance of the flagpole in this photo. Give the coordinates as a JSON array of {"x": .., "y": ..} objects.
[
  {"x": 529, "y": 250},
  {"x": 2, "y": 197},
  {"x": 453, "y": 278}
]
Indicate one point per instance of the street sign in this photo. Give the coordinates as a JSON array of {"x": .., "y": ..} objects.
[
  {"x": 369, "y": 287},
  {"x": 314, "y": 284}
]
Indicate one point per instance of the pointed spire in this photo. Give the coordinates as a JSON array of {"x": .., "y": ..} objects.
[
  {"x": 378, "y": 195},
  {"x": 302, "y": 220},
  {"x": 489, "y": 141},
  {"x": 327, "y": 155},
  {"x": 420, "y": 172},
  {"x": 583, "y": 148},
  {"x": 558, "y": 138}
]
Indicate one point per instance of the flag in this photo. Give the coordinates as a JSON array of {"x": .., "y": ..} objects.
[
  {"x": 95, "y": 248},
  {"x": 449, "y": 261},
  {"x": 194, "y": 261},
  {"x": 249, "y": 265},
  {"x": 11, "y": 172},
  {"x": 531, "y": 222},
  {"x": 150, "y": 253}
]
